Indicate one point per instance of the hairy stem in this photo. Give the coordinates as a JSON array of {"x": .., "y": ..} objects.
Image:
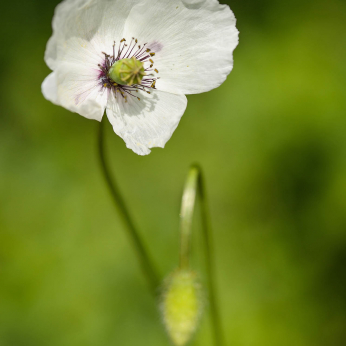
[{"x": 194, "y": 185}]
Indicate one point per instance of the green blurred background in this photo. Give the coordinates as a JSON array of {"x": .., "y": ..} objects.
[{"x": 272, "y": 143}]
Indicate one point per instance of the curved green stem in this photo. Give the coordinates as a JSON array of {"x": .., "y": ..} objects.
[
  {"x": 195, "y": 185},
  {"x": 119, "y": 203}
]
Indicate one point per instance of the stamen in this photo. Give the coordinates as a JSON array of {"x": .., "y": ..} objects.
[
  {"x": 132, "y": 48},
  {"x": 135, "y": 82},
  {"x": 129, "y": 47}
]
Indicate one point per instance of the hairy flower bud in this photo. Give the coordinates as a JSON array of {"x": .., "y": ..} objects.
[
  {"x": 127, "y": 71},
  {"x": 181, "y": 305}
]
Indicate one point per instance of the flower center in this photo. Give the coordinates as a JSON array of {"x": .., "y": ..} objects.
[{"x": 124, "y": 72}]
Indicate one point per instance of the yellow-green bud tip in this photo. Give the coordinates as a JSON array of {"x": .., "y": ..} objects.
[
  {"x": 181, "y": 306},
  {"x": 127, "y": 71}
]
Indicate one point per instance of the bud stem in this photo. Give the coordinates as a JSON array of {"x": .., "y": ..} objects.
[
  {"x": 143, "y": 257},
  {"x": 194, "y": 185}
]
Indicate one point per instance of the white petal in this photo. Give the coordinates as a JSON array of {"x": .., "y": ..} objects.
[
  {"x": 49, "y": 89},
  {"x": 85, "y": 19},
  {"x": 147, "y": 123},
  {"x": 199, "y": 3},
  {"x": 76, "y": 88},
  {"x": 193, "y": 46}
]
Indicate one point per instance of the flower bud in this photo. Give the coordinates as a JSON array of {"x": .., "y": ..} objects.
[
  {"x": 127, "y": 71},
  {"x": 181, "y": 305}
]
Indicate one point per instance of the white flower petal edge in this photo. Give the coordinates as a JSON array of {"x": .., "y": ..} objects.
[
  {"x": 49, "y": 89},
  {"x": 84, "y": 19},
  {"x": 200, "y": 3},
  {"x": 147, "y": 123},
  {"x": 194, "y": 46}
]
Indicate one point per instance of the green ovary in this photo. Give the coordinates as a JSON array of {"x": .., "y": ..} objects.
[{"x": 127, "y": 72}]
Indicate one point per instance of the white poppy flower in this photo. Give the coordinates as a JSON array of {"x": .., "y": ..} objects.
[{"x": 137, "y": 59}]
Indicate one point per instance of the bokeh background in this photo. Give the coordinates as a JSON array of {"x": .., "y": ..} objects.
[{"x": 272, "y": 142}]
